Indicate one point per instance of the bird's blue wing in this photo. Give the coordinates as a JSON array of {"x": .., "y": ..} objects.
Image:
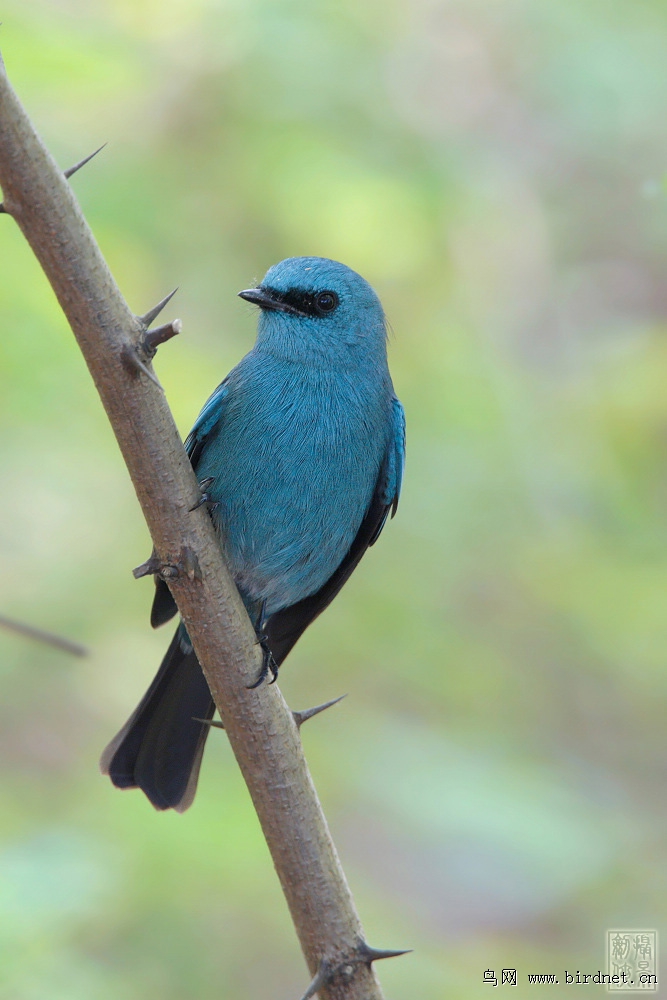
[
  {"x": 164, "y": 606},
  {"x": 391, "y": 476},
  {"x": 284, "y": 627},
  {"x": 207, "y": 421}
]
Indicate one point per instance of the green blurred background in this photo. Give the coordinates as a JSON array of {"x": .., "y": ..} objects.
[{"x": 495, "y": 780}]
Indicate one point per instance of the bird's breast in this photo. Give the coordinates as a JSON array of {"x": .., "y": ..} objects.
[{"x": 295, "y": 462}]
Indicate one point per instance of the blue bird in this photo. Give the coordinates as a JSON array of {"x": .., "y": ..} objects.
[{"x": 301, "y": 452}]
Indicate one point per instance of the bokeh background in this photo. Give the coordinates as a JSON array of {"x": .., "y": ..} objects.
[{"x": 496, "y": 779}]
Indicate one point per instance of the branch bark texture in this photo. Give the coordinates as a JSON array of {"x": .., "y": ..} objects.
[{"x": 260, "y": 727}]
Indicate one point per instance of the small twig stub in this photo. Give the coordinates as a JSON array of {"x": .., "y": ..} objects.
[{"x": 160, "y": 335}]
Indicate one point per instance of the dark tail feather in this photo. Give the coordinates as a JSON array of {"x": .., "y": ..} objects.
[{"x": 159, "y": 749}]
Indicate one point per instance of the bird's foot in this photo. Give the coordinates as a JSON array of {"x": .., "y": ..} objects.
[
  {"x": 205, "y": 498},
  {"x": 269, "y": 665}
]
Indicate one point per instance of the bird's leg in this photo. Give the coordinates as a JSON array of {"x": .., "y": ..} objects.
[
  {"x": 205, "y": 498},
  {"x": 269, "y": 665}
]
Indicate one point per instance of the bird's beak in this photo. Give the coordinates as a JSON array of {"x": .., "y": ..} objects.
[{"x": 268, "y": 298}]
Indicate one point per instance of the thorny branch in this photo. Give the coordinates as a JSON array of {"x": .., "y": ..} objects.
[{"x": 262, "y": 731}]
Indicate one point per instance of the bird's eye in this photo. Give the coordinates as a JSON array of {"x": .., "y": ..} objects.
[{"x": 326, "y": 302}]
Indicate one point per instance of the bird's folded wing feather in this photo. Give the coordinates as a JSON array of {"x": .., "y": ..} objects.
[{"x": 207, "y": 421}]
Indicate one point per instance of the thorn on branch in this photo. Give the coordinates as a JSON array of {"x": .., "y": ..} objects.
[
  {"x": 213, "y": 723},
  {"x": 321, "y": 979},
  {"x": 368, "y": 955},
  {"x": 70, "y": 170},
  {"x": 160, "y": 335},
  {"x": 153, "y": 313},
  {"x": 77, "y": 166},
  {"x": 308, "y": 713},
  {"x": 134, "y": 364},
  {"x": 363, "y": 955}
]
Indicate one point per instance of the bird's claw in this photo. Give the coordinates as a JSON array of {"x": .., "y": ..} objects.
[
  {"x": 205, "y": 498},
  {"x": 269, "y": 665}
]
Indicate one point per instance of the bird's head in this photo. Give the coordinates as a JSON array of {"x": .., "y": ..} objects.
[{"x": 314, "y": 309}]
